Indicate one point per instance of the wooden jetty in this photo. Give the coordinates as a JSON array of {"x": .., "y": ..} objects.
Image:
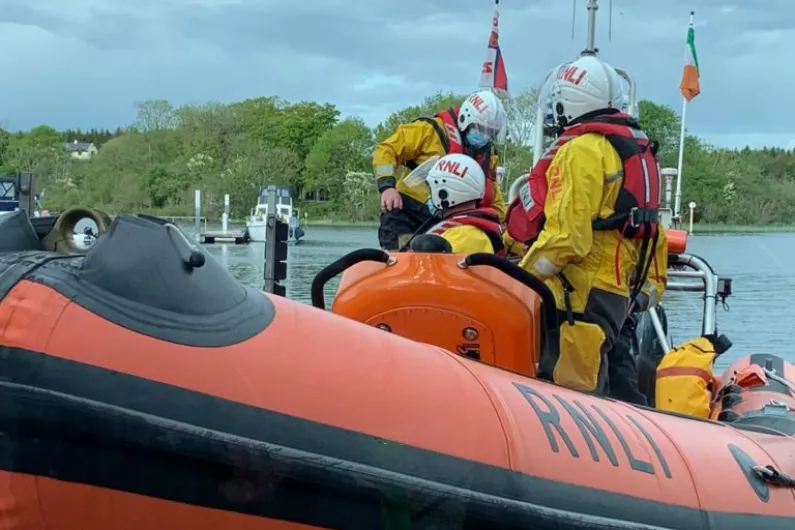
[{"x": 238, "y": 237}]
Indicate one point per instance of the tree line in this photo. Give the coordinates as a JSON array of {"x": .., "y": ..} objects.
[{"x": 154, "y": 164}]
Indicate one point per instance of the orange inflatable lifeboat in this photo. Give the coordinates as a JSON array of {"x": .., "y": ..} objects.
[{"x": 143, "y": 387}]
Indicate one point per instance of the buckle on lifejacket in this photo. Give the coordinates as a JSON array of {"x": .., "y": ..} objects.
[{"x": 638, "y": 216}]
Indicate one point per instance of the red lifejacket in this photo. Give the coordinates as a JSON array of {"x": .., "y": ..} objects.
[
  {"x": 638, "y": 201},
  {"x": 454, "y": 145},
  {"x": 484, "y": 218},
  {"x": 636, "y": 211}
]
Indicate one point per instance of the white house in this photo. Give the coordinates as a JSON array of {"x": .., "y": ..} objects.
[{"x": 81, "y": 150}]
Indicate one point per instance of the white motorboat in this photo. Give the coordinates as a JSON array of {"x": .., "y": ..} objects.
[{"x": 257, "y": 223}]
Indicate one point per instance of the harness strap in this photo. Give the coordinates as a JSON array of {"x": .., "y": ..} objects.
[
  {"x": 568, "y": 288},
  {"x": 439, "y": 131},
  {"x": 644, "y": 262}
]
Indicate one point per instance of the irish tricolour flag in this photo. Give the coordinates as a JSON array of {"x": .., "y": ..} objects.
[{"x": 690, "y": 85}]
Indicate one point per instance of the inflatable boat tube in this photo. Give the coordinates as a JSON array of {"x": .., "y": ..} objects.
[{"x": 138, "y": 392}]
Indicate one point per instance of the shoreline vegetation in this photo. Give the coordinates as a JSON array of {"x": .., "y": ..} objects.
[
  {"x": 698, "y": 228},
  {"x": 722, "y": 228},
  {"x": 155, "y": 164}
]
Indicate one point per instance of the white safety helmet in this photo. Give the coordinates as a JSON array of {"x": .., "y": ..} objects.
[
  {"x": 545, "y": 95},
  {"x": 483, "y": 119},
  {"x": 455, "y": 179},
  {"x": 586, "y": 85}
]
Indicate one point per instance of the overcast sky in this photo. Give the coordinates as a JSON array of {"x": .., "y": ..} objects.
[{"x": 84, "y": 63}]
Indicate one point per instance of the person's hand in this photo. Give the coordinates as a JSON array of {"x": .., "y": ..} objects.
[{"x": 391, "y": 200}]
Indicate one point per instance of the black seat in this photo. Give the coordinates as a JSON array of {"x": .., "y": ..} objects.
[{"x": 431, "y": 243}]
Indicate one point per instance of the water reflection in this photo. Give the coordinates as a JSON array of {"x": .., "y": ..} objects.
[{"x": 85, "y": 233}]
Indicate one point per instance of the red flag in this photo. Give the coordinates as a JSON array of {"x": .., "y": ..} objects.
[{"x": 493, "y": 73}]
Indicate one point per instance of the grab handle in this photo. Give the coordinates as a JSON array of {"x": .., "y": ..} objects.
[{"x": 341, "y": 265}]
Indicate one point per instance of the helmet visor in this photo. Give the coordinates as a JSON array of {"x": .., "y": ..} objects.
[
  {"x": 493, "y": 132},
  {"x": 418, "y": 176}
]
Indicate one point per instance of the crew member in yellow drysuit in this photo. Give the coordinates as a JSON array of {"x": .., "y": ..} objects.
[
  {"x": 622, "y": 369},
  {"x": 457, "y": 186},
  {"x": 589, "y": 270},
  {"x": 472, "y": 130}
]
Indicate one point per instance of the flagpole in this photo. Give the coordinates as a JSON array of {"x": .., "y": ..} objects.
[
  {"x": 680, "y": 162},
  {"x": 678, "y": 200}
]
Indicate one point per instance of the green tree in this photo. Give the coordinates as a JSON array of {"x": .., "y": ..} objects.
[
  {"x": 253, "y": 165},
  {"x": 516, "y": 154},
  {"x": 38, "y": 151},
  {"x": 301, "y": 124},
  {"x": 5, "y": 139},
  {"x": 522, "y": 111},
  {"x": 256, "y": 117},
  {"x": 116, "y": 178},
  {"x": 156, "y": 115},
  {"x": 662, "y": 124},
  {"x": 235, "y": 149},
  {"x": 344, "y": 148}
]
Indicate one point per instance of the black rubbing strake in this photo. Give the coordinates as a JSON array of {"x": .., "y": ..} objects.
[{"x": 168, "y": 454}]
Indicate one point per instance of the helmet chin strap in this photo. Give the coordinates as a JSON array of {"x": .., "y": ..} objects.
[{"x": 564, "y": 122}]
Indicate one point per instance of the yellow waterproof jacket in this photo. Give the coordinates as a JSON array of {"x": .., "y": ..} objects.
[
  {"x": 583, "y": 183},
  {"x": 684, "y": 377},
  {"x": 468, "y": 239},
  {"x": 416, "y": 142}
]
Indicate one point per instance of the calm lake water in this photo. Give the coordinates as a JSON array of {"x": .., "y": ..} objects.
[{"x": 759, "y": 319}]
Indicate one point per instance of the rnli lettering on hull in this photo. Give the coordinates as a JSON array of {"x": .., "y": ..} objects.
[{"x": 592, "y": 430}]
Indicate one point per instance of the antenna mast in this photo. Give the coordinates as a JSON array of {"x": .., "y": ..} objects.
[
  {"x": 610, "y": 21},
  {"x": 573, "y": 16},
  {"x": 590, "y": 48}
]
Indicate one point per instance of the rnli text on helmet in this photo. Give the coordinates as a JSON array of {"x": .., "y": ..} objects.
[
  {"x": 454, "y": 168},
  {"x": 572, "y": 74},
  {"x": 478, "y": 102}
]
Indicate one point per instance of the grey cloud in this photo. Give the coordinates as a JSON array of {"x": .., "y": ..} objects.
[
  {"x": 322, "y": 49},
  {"x": 101, "y": 27}
]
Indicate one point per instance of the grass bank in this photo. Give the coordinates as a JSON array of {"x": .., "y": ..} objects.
[{"x": 720, "y": 228}]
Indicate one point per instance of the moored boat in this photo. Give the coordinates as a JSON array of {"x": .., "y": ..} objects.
[{"x": 257, "y": 222}]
